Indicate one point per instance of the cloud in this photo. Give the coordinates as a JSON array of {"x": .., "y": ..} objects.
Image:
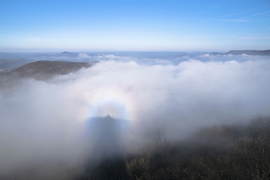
[
  {"x": 84, "y": 55},
  {"x": 164, "y": 62},
  {"x": 257, "y": 14},
  {"x": 249, "y": 18},
  {"x": 108, "y": 56},
  {"x": 235, "y": 14},
  {"x": 112, "y": 57},
  {"x": 205, "y": 55},
  {"x": 48, "y": 120},
  {"x": 261, "y": 37},
  {"x": 80, "y": 57},
  {"x": 238, "y": 20}
]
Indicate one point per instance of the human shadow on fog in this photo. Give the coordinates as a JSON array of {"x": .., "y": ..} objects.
[{"x": 107, "y": 154}]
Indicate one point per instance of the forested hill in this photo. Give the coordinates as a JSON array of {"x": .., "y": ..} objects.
[{"x": 41, "y": 70}]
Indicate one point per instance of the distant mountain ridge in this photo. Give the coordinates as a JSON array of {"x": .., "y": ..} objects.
[
  {"x": 41, "y": 70},
  {"x": 67, "y": 54},
  {"x": 247, "y": 52}
]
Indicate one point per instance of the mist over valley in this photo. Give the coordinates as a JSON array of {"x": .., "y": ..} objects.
[{"x": 114, "y": 106}]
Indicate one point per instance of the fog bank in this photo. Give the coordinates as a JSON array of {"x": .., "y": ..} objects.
[{"x": 47, "y": 121}]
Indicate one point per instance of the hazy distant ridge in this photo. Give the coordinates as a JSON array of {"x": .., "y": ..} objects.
[{"x": 247, "y": 52}]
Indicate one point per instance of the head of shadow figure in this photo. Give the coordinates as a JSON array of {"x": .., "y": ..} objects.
[{"x": 107, "y": 155}]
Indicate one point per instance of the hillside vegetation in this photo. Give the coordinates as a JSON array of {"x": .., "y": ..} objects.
[
  {"x": 218, "y": 152},
  {"x": 240, "y": 152}
]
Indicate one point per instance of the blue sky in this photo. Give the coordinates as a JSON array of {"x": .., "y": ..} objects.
[{"x": 134, "y": 25}]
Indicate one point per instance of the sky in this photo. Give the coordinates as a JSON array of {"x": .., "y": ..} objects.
[{"x": 134, "y": 25}]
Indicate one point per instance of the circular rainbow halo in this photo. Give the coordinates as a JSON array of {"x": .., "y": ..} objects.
[{"x": 113, "y": 102}]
